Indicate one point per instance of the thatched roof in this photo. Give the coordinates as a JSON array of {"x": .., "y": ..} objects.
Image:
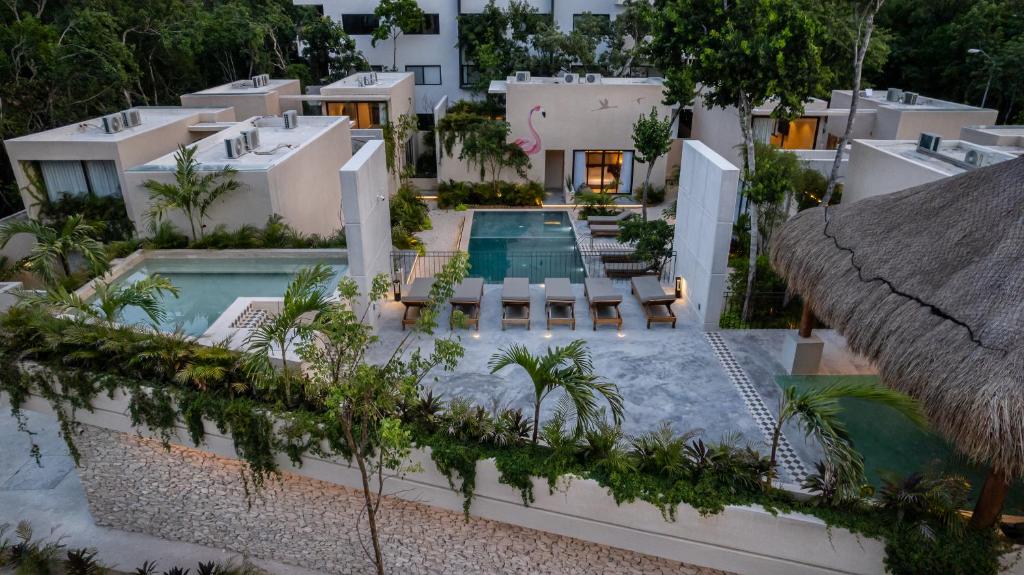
[{"x": 929, "y": 284}]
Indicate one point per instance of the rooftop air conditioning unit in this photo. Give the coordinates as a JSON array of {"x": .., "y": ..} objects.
[
  {"x": 910, "y": 98},
  {"x": 869, "y": 93},
  {"x": 235, "y": 147},
  {"x": 522, "y": 76},
  {"x": 974, "y": 158},
  {"x": 593, "y": 78},
  {"x": 373, "y": 77},
  {"x": 571, "y": 78},
  {"x": 266, "y": 79},
  {"x": 113, "y": 123},
  {"x": 291, "y": 119},
  {"x": 893, "y": 95},
  {"x": 131, "y": 118},
  {"x": 251, "y": 137},
  {"x": 929, "y": 142}
]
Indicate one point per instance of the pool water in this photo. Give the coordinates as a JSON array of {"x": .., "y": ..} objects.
[
  {"x": 209, "y": 286},
  {"x": 892, "y": 445},
  {"x": 532, "y": 244}
]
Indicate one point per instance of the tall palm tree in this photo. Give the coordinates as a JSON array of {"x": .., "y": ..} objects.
[
  {"x": 55, "y": 246},
  {"x": 816, "y": 411},
  {"x": 568, "y": 368},
  {"x": 306, "y": 298},
  {"x": 111, "y": 300},
  {"x": 191, "y": 192}
]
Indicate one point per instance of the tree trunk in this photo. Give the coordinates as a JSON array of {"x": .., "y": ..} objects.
[
  {"x": 863, "y": 40},
  {"x": 776, "y": 434},
  {"x": 647, "y": 185},
  {"x": 746, "y": 121},
  {"x": 536, "y": 421},
  {"x": 65, "y": 265},
  {"x": 371, "y": 513},
  {"x": 990, "y": 502},
  {"x": 806, "y": 320}
]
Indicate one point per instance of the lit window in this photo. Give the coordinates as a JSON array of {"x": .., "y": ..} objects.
[{"x": 364, "y": 115}]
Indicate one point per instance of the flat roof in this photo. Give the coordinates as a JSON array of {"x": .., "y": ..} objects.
[
  {"x": 369, "y": 81},
  {"x": 1008, "y": 130},
  {"x": 923, "y": 102},
  {"x": 276, "y": 145},
  {"x": 501, "y": 86},
  {"x": 153, "y": 117},
  {"x": 243, "y": 87},
  {"x": 941, "y": 161}
]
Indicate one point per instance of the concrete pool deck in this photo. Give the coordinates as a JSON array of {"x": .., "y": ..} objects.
[{"x": 682, "y": 376}]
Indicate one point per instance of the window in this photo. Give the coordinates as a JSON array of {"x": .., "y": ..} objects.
[
  {"x": 431, "y": 25},
  {"x": 594, "y": 23},
  {"x": 607, "y": 171},
  {"x": 800, "y": 134},
  {"x": 364, "y": 115},
  {"x": 76, "y": 178},
  {"x": 426, "y": 75},
  {"x": 424, "y": 122},
  {"x": 359, "y": 23},
  {"x": 685, "y": 124}
]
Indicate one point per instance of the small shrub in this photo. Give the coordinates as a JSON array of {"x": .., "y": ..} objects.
[
  {"x": 452, "y": 193},
  {"x": 409, "y": 210},
  {"x": 595, "y": 204},
  {"x": 655, "y": 194},
  {"x": 106, "y": 212},
  {"x": 276, "y": 234}
]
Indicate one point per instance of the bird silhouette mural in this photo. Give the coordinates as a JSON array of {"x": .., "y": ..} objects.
[{"x": 531, "y": 146}]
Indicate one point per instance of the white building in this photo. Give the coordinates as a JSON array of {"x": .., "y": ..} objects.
[
  {"x": 433, "y": 55},
  {"x": 291, "y": 172},
  {"x": 880, "y": 167},
  {"x": 266, "y": 97}
]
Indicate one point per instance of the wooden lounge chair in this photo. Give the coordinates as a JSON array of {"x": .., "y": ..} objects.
[
  {"x": 656, "y": 303},
  {"x": 418, "y": 296},
  {"x": 627, "y": 269},
  {"x": 604, "y": 302},
  {"x": 466, "y": 299},
  {"x": 559, "y": 302},
  {"x": 604, "y": 230},
  {"x": 515, "y": 302}
]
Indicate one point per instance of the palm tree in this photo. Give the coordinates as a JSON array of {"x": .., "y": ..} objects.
[
  {"x": 191, "y": 192},
  {"x": 306, "y": 298},
  {"x": 568, "y": 368},
  {"x": 111, "y": 300},
  {"x": 816, "y": 411},
  {"x": 55, "y": 246}
]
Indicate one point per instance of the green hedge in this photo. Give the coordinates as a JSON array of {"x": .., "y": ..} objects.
[{"x": 451, "y": 194}]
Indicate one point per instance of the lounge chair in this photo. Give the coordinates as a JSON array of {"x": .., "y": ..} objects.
[
  {"x": 466, "y": 299},
  {"x": 627, "y": 269},
  {"x": 604, "y": 230},
  {"x": 604, "y": 302},
  {"x": 418, "y": 296},
  {"x": 604, "y": 220},
  {"x": 515, "y": 302},
  {"x": 656, "y": 303},
  {"x": 559, "y": 302}
]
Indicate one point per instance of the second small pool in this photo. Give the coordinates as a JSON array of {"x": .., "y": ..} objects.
[{"x": 532, "y": 244}]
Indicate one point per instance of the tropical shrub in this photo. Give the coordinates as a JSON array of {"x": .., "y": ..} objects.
[
  {"x": 276, "y": 234},
  {"x": 451, "y": 194},
  {"x": 106, "y": 213},
  {"x": 595, "y": 204},
  {"x": 655, "y": 194}
]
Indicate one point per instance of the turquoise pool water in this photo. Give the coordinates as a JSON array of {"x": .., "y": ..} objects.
[
  {"x": 209, "y": 286},
  {"x": 533, "y": 244},
  {"x": 891, "y": 444}
]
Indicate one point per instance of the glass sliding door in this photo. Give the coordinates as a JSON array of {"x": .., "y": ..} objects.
[
  {"x": 365, "y": 115},
  {"x": 604, "y": 171}
]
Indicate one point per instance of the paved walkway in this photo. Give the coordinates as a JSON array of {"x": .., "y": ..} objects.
[{"x": 52, "y": 499}]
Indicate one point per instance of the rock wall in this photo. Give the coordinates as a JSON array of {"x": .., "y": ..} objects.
[{"x": 134, "y": 484}]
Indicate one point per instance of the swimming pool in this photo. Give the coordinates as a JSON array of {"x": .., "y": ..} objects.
[
  {"x": 534, "y": 244},
  {"x": 209, "y": 285}
]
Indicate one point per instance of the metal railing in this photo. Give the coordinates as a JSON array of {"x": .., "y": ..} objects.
[{"x": 495, "y": 265}]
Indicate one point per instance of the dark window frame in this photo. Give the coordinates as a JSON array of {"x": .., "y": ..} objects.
[
  {"x": 422, "y": 74},
  {"x": 431, "y": 25},
  {"x": 587, "y": 165},
  {"x": 359, "y": 24}
]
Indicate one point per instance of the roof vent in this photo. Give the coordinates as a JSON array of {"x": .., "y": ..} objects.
[
  {"x": 235, "y": 147},
  {"x": 893, "y": 95},
  {"x": 291, "y": 119},
  {"x": 928, "y": 142},
  {"x": 113, "y": 123},
  {"x": 522, "y": 76}
]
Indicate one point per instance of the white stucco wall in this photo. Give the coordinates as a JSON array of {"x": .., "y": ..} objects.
[
  {"x": 873, "y": 172},
  {"x": 364, "y": 196},
  {"x": 704, "y": 218},
  {"x": 19, "y": 245}
]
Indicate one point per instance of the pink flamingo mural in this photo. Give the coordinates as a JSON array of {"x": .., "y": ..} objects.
[{"x": 531, "y": 147}]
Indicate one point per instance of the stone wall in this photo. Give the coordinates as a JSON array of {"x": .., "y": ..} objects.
[{"x": 134, "y": 484}]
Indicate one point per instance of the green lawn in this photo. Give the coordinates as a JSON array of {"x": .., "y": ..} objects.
[{"x": 891, "y": 444}]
